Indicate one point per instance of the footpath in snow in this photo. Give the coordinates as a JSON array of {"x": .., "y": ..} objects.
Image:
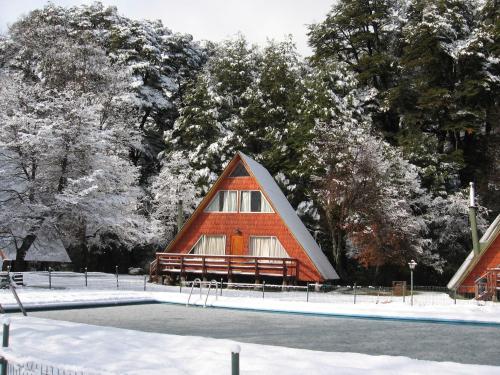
[
  {"x": 92, "y": 349},
  {"x": 472, "y": 313}
]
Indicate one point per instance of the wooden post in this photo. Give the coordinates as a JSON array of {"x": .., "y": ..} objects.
[
  {"x": 86, "y": 282},
  {"x": 203, "y": 269},
  {"x": 157, "y": 268},
  {"x": 229, "y": 272},
  {"x": 182, "y": 273}
]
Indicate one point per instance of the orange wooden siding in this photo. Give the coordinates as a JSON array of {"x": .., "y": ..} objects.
[
  {"x": 490, "y": 259},
  {"x": 250, "y": 224}
]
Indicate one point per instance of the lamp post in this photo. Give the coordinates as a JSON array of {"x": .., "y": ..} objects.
[{"x": 412, "y": 266}]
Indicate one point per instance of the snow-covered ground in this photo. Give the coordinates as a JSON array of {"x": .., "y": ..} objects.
[
  {"x": 103, "y": 349},
  {"x": 95, "y": 349}
]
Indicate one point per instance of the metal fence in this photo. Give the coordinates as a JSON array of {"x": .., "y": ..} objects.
[
  {"x": 322, "y": 293},
  {"x": 31, "y": 367}
]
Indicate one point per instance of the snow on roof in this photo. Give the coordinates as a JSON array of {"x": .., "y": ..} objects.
[
  {"x": 46, "y": 248},
  {"x": 469, "y": 262},
  {"x": 289, "y": 216}
]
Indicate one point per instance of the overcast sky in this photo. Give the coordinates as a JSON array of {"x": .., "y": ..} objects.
[{"x": 214, "y": 20}]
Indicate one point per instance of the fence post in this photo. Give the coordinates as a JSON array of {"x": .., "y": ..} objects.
[
  {"x": 354, "y": 293},
  {"x": 3, "y": 366},
  {"x": 5, "y": 344},
  {"x": 263, "y": 287},
  {"x": 235, "y": 360},
  {"x": 86, "y": 282},
  {"x": 144, "y": 282},
  {"x": 50, "y": 278},
  {"x": 221, "y": 284},
  {"x": 116, "y": 268},
  {"x": 455, "y": 295},
  {"x": 404, "y": 292},
  {"x": 5, "y": 335},
  {"x": 307, "y": 293}
]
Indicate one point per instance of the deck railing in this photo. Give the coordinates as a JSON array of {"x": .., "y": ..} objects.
[
  {"x": 228, "y": 265},
  {"x": 486, "y": 285}
]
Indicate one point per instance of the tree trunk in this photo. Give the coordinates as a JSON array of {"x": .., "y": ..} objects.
[
  {"x": 20, "y": 264},
  {"x": 338, "y": 250}
]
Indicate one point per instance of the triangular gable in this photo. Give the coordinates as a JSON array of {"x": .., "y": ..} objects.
[
  {"x": 471, "y": 261},
  {"x": 281, "y": 206},
  {"x": 285, "y": 210}
]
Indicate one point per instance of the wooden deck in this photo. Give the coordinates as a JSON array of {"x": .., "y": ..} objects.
[{"x": 172, "y": 264}]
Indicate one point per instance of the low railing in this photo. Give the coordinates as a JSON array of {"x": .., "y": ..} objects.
[
  {"x": 228, "y": 265},
  {"x": 486, "y": 285}
]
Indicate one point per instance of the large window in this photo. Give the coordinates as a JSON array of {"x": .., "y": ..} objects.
[
  {"x": 224, "y": 201},
  {"x": 267, "y": 246},
  {"x": 210, "y": 245},
  {"x": 254, "y": 201}
]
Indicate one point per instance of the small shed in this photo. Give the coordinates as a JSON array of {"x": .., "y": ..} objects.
[{"x": 47, "y": 248}]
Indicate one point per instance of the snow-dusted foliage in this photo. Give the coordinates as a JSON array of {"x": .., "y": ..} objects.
[
  {"x": 64, "y": 151},
  {"x": 172, "y": 186}
]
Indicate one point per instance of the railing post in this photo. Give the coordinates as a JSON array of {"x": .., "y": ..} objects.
[
  {"x": 307, "y": 293},
  {"x": 50, "y": 278},
  {"x": 263, "y": 287},
  {"x": 116, "y": 269},
  {"x": 144, "y": 282},
  {"x": 235, "y": 360},
  {"x": 86, "y": 280},
  {"x": 203, "y": 267},
  {"x": 455, "y": 295},
  {"x": 221, "y": 283},
  {"x": 182, "y": 268}
]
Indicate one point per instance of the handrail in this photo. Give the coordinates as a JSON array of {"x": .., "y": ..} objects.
[
  {"x": 192, "y": 287},
  {"x": 208, "y": 291},
  {"x": 11, "y": 285}
]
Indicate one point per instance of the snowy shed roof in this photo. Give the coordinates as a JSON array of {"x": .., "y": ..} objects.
[
  {"x": 289, "y": 216},
  {"x": 47, "y": 247},
  {"x": 471, "y": 261}
]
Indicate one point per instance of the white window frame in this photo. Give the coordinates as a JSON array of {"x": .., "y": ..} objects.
[
  {"x": 254, "y": 212},
  {"x": 209, "y": 235},
  {"x": 216, "y": 195}
]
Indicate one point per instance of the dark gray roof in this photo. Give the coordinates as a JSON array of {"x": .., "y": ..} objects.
[{"x": 289, "y": 216}]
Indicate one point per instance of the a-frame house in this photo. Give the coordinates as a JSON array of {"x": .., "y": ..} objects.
[
  {"x": 244, "y": 227},
  {"x": 479, "y": 274}
]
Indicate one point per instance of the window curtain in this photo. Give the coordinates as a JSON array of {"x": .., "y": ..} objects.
[
  {"x": 228, "y": 201},
  {"x": 245, "y": 201},
  {"x": 210, "y": 245},
  {"x": 267, "y": 247},
  {"x": 254, "y": 201}
]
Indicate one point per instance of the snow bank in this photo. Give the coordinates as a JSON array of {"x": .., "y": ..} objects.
[{"x": 119, "y": 351}]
